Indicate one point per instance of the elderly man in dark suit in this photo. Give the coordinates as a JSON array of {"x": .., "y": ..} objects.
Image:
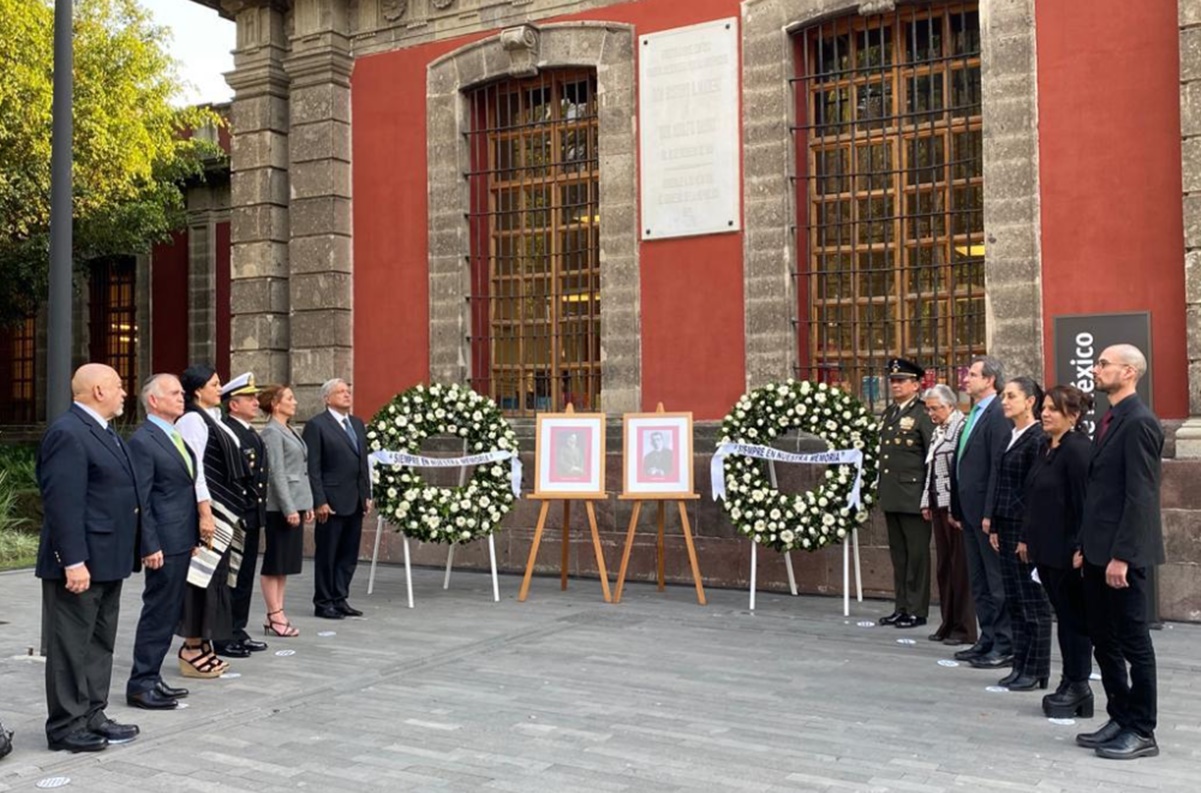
[
  {"x": 982, "y": 441},
  {"x": 1122, "y": 538},
  {"x": 905, "y": 433},
  {"x": 166, "y": 473},
  {"x": 341, "y": 483},
  {"x": 89, "y": 546},
  {"x": 240, "y": 396}
]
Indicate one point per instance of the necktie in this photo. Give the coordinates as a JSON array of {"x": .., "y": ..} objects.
[
  {"x": 1104, "y": 425},
  {"x": 112, "y": 434},
  {"x": 354, "y": 440},
  {"x": 178, "y": 441},
  {"x": 967, "y": 428}
]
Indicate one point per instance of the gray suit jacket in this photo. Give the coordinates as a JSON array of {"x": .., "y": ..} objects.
[{"x": 288, "y": 488}]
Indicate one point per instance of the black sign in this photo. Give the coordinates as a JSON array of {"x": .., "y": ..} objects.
[{"x": 1079, "y": 341}]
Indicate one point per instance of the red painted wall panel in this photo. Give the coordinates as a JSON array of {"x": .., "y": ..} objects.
[
  {"x": 1110, "y": 168},
  {"x": 692, "y": 297},
  {"x": 222, "y": 259},
  {"x": 169, "y": 305}
]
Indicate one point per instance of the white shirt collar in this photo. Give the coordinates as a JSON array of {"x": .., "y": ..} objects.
[
  {"x": 1016, "y": 433},
  {"x": 102, "y": 422},
  {"x": 906, "y": 403},
  {"x": 338, "y": 417},
  {"x": 241, "y": 421}
]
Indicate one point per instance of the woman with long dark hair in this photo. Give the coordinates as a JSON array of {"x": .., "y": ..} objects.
[
  {"x": 222, "y": 497},
  {"x": 1029, "y": 612},
  {"x": 1054, "y": 499}
]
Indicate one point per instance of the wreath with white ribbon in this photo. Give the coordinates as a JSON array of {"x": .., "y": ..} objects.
[
  {"x": 811, "y": 520},
  {"x": 443, "y": 514}
]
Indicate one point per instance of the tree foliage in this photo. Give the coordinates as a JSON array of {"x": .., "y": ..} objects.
[{"x": 131, "y": 158}]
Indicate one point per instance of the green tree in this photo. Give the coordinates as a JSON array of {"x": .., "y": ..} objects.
[{"x": 131, "y": 159}]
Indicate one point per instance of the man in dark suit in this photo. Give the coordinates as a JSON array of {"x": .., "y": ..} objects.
[
  {"x": 166, "y": 472},
  {"x": 985, "y": 436},
  {"x": 89, "y": 546},
  {"x": 341, "y": 483},
  {"x": 905, "y": 434},
  {"x": 242, "y": 405},
  {"x": 1122, "y": 539}
]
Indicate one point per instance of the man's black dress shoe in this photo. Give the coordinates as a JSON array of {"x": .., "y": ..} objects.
[
  {"x": 1128, "y": 746},
  {"x": 991, "y": 660},
  {"x": 328, "y": 613},
  {"x": 253, "y": 645},
  {"x": 231, "y": 649},
  {"x": 909, "y": 621},
  {"x": 349, "y": 610},
  {"x": 151, "y": 700},
  {"x": 114, "y": 732},
  {"x": 170, "y": 691},
  {"x": 79, "y": 741},
  {"x": 1026, "y": 683},
  {"x": 891, "y": 618},
  {"x": 974, "y": 651},
  {"x": 1091, "y": 740}
]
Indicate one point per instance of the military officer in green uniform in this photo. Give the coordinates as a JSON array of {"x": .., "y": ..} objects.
[{"x": 905, "y": 432}]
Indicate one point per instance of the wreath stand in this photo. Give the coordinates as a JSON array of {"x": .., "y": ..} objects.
[
  {"x": 846, "y": 548},
  {"x": 450, "y": 555}
]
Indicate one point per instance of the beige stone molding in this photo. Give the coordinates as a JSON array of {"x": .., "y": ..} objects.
[
  {"x": 1188, "y": 437},
  {"x": 608, "y": 48}
]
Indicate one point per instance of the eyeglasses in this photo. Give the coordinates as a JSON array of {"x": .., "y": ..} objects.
[{"x": 1102, "y": 364}]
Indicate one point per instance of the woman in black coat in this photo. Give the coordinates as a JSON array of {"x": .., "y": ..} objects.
[
  {"x": 1054, "y": 497},
  {"x": 1029, "y": 612}
]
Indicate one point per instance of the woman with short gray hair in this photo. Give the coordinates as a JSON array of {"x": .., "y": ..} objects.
[{"x": 954, "y": 591}]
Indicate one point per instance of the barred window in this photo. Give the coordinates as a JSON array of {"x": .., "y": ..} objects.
[
  {"x": 18, "y": 357},
  {"x": 890, "y": 194},
  {"x": 113, "y": 330},
  {"x": 535, "y": 242}
]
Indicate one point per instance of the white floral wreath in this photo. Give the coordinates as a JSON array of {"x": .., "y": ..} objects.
[
  {"x": 819, "y": 517},
  {"x": 442, "y": 514}
]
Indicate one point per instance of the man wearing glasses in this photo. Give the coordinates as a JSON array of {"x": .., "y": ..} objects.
[{"x": 1122, "y": 538}]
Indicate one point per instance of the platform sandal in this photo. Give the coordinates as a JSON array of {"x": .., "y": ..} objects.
[{"x": 204, "y": 666}]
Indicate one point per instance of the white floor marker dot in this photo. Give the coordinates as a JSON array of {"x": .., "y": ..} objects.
[
  {"x": 997, "y": 690},
  {"x": 53, "y": 782},
  {"x": 906, "y": 641},
  {"x": 1063, "y": 722},
  {"x": 231, "y": 675},
  {"x": 327, "y": 633},
  {"x": 866, "y": 624},
  {"x": 948, "y": 662},
  {"x": 181, "y": 706},
  {"x": 285, "y": 653}
]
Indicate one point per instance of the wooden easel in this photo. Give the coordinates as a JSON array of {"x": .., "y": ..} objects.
[
  {"x": 567, "y": 498},
  {"x": 661, "y": 502}
]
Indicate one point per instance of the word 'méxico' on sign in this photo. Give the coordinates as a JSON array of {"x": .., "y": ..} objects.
[
  {"x": 1079, "y": 341},
  {"x": 689, "y": 130}
]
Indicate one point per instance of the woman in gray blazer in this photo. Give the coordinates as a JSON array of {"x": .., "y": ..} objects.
[{"x": 289, "y": 505}]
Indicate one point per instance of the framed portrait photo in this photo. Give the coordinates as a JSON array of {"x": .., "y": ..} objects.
[
  {"x": 658, "y": 454},
  {"x": 570, "y": 455}
]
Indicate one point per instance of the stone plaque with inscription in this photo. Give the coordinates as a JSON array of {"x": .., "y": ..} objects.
[{"x": 689, "y": 133}]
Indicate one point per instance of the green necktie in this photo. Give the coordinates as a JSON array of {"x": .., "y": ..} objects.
[
  {"x": 187, "y": 459},
  {"x": 971, "y": 420}
]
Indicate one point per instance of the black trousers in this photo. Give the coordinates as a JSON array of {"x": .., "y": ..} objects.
[
  {"x": 1117, "y": 623},
  {"x": 336, "y": 557},
  {"x": 243, "y": 593},
  {"x": 909, "y": 547},
  {"x": 162, "y": 604},
  {"x": 1029, "y": 611},
  {"x": 1065, "y": 589},
  {"x": 80, "y": 633},
  {"x": 988, "y": 591}
]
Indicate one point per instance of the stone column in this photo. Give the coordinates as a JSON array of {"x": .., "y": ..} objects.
[
  {"x": 321, "y": 255},
  {"x": 1188, "y": 437},
  {"x": 259, "y": 191}
]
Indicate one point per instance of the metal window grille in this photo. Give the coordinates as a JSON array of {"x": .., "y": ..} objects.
[
  {"x": 890, "y": 220},
  {"x": 113, "y": 330},
  {"x": 535, "y": 242},
  {"x": 17, "y": 369}
]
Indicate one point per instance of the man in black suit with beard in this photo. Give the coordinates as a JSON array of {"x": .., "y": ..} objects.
[
  {"x": 1122, "y": 538},
  {"x": 170, "y": 532},
  {"x": 341, "y": 482},
  {"x": 984, "y": 438},
  {"x": 242, "y": 407},
  {"x": 89, "y": 546}
]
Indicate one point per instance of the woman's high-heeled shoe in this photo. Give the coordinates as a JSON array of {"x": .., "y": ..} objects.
[
  {"x": 205, "y": 666},
  {"x": 1009, "y": 678},
  {"x": 273, "y": 627},
  {"x": 1027, "y": 683}
]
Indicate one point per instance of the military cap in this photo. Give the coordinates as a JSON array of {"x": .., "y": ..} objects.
[
  {"x": 242, "y": 385},
  {"x": 901, "y": 368}
]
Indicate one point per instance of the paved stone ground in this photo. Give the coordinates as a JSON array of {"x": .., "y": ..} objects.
[{"x": 566, "y": 693}]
